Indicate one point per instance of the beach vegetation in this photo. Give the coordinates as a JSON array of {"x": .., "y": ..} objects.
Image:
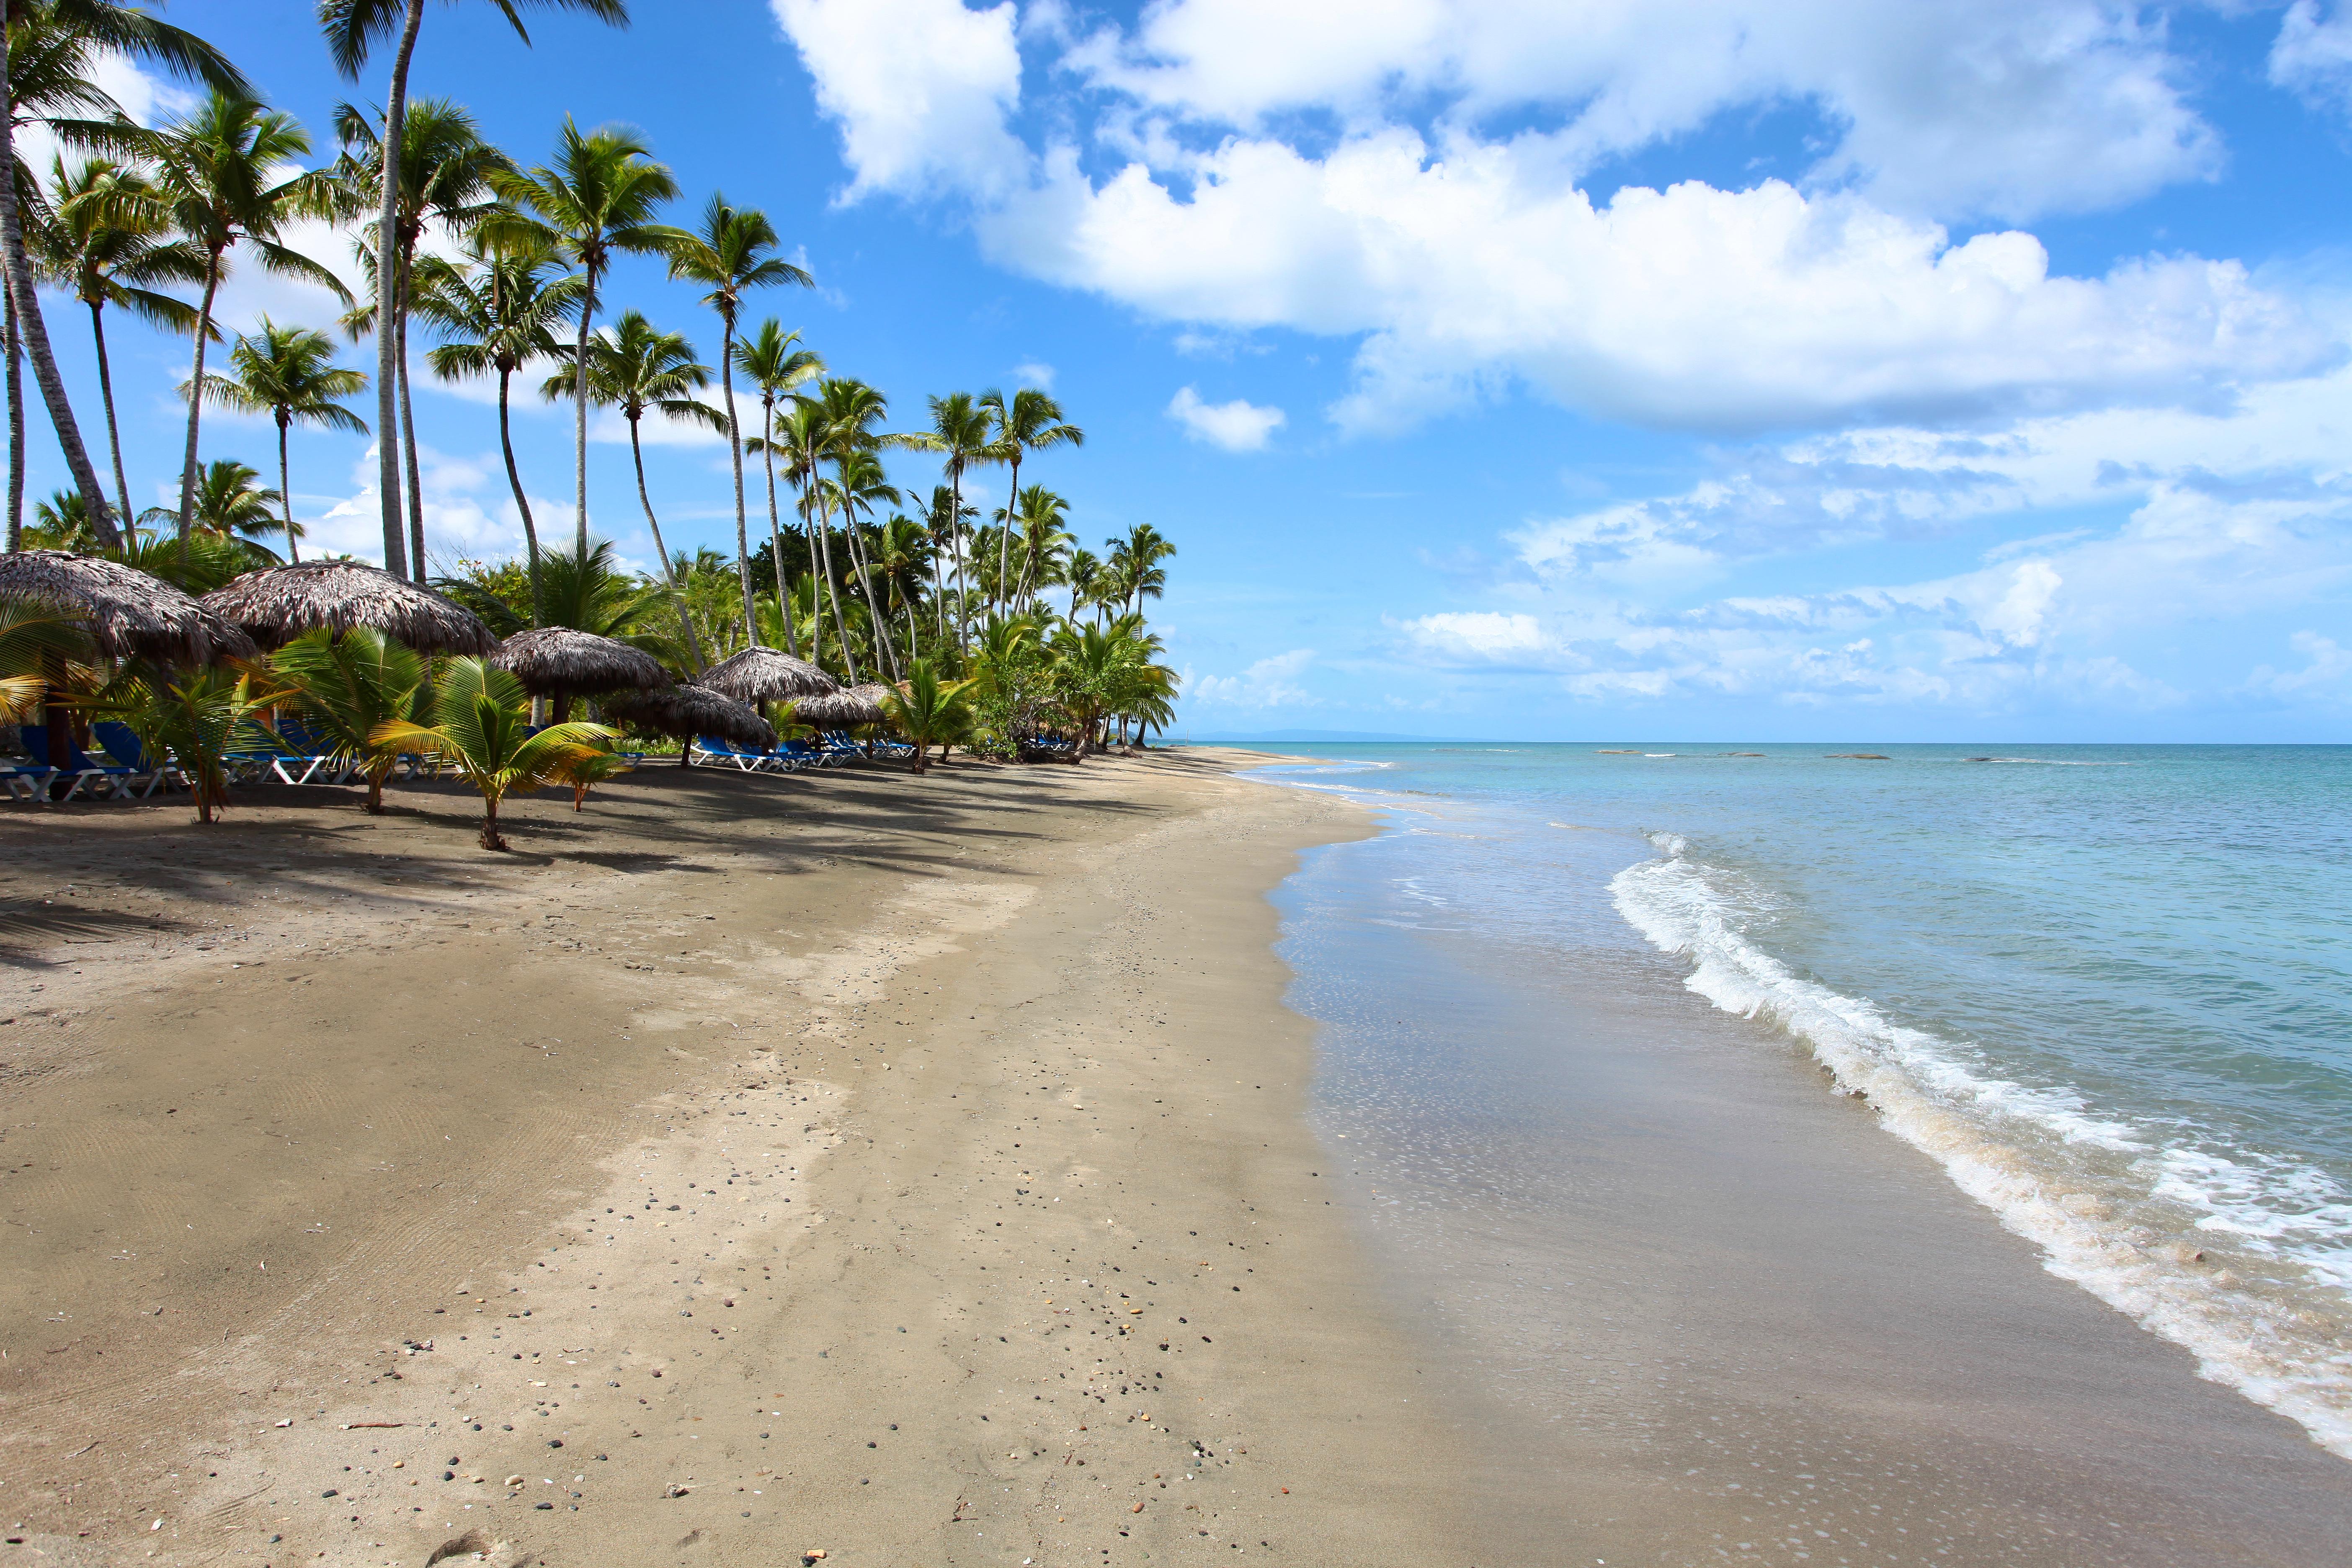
[
  {"x": 481, "y": 727},
  {"x": 350, "y": 686},
  {"x": 194, "y": 716},
  {"x": 929, "y": 711}
]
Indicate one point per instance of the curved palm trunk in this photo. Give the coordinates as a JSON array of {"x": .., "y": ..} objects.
[
  {"x": 831, "y": 586},
  {"x": 286, "y": 488},
  {"x": 35, "y": 332},
  {"x": 684, "y": 623},
  {"x": 408, "y": 439},
  {"x": 196, "y": 403},
  {"x": 1004, "y": 539},
  {"x": 775, "y": 527},
  {"x": 390, "y": 339},
  {"x": 522, "y": 503},
  {"x": 816, "y": 585},
  {"x": 955, "y": 533},
  {"x": 580, "y": 412},
  {"x": 106, "y": 395},
  {"x": 16, "y": 433},
  {"x": 875, "y": 618}
]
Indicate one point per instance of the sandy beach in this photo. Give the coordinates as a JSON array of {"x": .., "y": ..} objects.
[{"x": 905, "y": 1171}]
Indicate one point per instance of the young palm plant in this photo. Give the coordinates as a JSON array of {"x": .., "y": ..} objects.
[
  {"x": 635, "y": 369},
  {"x": 289, "y": 374},
  {"x": 197, "y": 715},
  {"x": 109, "y": 240},
  {"x": 221, "y": 172},
  {"x": 496, "y": 313},
  {"x": 930, "y": 711},
  {"x": 481, "y": 726},
  {"x": 594, "y": 202},
  {"x": 353, "y": 685},
  {"x": 731, "y": 254}
]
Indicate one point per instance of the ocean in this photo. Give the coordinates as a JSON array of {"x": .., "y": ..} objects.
[{"x": 2108, "y": 990}]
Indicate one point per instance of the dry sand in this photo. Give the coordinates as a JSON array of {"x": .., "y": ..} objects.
[{"x": 908, "y": 1170}]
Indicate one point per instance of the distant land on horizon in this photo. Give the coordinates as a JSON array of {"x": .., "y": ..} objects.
[{"x": 1328, "y": 737}]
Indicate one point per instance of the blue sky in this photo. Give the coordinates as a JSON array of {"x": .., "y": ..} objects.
[{"x": 1561, "y": 369}]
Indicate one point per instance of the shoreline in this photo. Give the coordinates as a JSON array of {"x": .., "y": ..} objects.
[{"x": 948, "y": 1067}]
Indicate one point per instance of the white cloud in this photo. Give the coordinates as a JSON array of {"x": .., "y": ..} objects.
[
  {"x": 1240, "y": 425},
  {"x": 2313, "y": 56},
  {"x": 1268, "y": 683},
  {"x": 2326, "y": 673},
  {"x": 919, "y": 88},
  {"x": 1031, "y": 372},
  {"x": 469, "y": 513}
]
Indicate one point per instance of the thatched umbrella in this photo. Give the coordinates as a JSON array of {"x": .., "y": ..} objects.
[
  {"x": 131, "y": 614},
  {"x": 278, "y": 603},
  {"x": 764, "y": 675},
  {"x": 565, "y": 662},
  {"x": 688, "y": 710},
  {"x": 836, "y": 710}
]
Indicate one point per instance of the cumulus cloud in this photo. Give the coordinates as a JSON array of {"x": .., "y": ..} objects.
[
  {"x": 1268, "y": 683},
  {"x": 1240, "y": 425},
  {"x": 468, "y": 511},
  {"x": 2313, "y": 53},
  {"x": 1465, "y": 262}
]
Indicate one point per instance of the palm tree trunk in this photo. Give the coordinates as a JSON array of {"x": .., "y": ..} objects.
[
  {"x": 775, "y": 527},
  {"x": 874, "y": 616},
  {"x": 580, "y": 412},
  {"x": 816, "y": 579},
  {"x": 16, "y": 431},
  {"x": 955, "y": 533},
  {"x": 390, "y": 343},
  {"x": 1004, "y": 539},
  {"x": 825, "y": 550},
  {"x": 685, "y": 624},
  {"x": 735, "y": 460},
  {"x": 408, "y": 437},
  {"x": 106, "y": 395},
  {"x": 196, "y": 403},
  {"x": 35, "y": 332},
  {"x": 286, "y": 488},
  {"x": 523, "y": 502}
]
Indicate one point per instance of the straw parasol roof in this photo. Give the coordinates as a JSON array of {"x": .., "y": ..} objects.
[
  {"x": 562, "y": 660},
  {"x": 686, "y": 711},
  {"x": 131, "y": 613},
  {"x": 278, "y": 603},
  {"x": 764, "y": 675},
  {"x": 837, "y": 708}
]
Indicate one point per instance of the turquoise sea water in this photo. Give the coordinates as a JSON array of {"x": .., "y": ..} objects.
[{"x": 2108, "y": 989}]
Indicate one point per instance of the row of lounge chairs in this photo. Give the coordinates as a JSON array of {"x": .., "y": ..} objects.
[{"x": 831, "y": 751}]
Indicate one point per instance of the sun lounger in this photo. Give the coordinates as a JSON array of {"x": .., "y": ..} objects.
[
  {"x": 103, "y": 780},
  {"x": 121, "y": 744},
  {"x": 711, "y": 749},
  {"x": 27, "y": 781}
]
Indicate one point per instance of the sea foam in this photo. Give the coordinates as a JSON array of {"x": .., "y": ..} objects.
[{"x": 2244, "y": 1261}]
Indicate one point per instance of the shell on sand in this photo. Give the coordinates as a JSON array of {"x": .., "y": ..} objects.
[
  {"x": 278, "y": 603},
  {"x": 131, "y": 613}
]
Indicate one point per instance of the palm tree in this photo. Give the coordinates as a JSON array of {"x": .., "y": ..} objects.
[
  {"x": 496, "y": 313},
  {"x": 847, "y": 411},
  {"x": 108, "y": 239},
  {"x": 353, "y": 28},
  {"x": 218, "y": 171},
  {"x": 1038, "y": 514},
  {"x": 594, "y": 202},
  {"x": 1030, "y": 421},
  {"x": 634, "y": 368},
  {"x": 959, "y": 433},
  {"x": 930, "y": 711},
  {"x": 229, "y": 502},
  {"x": 351, "y": 686},
  {"x": 443, "y": 177},
  {"x": 729, "y": 256},
  {"x": 796, "y": 433},
  {"x": 776, "y": 366},
  {"x": 1136, "y": 561},
  {"x": 900, "y": 552},
  {"x": 945, "y": 518},
  {"x": 482, "y": 724},
  {"x": 66, "y": 38},
  {"x": 858, "y": 486},
  {"x": 1082, "y": 573},
  {"x": 289, "y": 374}
]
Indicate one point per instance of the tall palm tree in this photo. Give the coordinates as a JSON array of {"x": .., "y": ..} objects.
[
  {"x": 959, "y": 435},
  {"x": 858, "y": 485},
  {"x": 1082, "y": 575},
  {"x": 1038, "y": 514},
  {"x": 847, "y": 411},
  {"x": 496, "y": 313},
  {"x": 730, "y": 255},
  {"x": 443, "y": 178},
  {"x": 108, "y": 239},
  {"x": 63, "y": 39},
  {"x": 354, "y": 28},
  {"x": 1029, "y": 421},
  {"x": 776, "y": 366},
  {"x": 1136, "y": 560},
  {"x": 944, "y": 520},
  {"x": 595, "y": 201},
  {"x": 796, "y": 433},
  {"x": 635, "y": 368},
  {"x": 219, "y": 172},
  {"x": 900, "y": 552},
  {"x": 289, "y": 373},
  {"x": 231, "y": 502}
]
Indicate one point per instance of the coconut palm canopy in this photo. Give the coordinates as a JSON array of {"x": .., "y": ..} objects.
[
  {"x": 838, "y": 707},
  {"x": 688, "y": 710},
  {"x": 130, "y": 613},
  {"x": 278, "y": 603},
  {"x": 550, "y": 660},
  {"x": 764, "y": 675}
]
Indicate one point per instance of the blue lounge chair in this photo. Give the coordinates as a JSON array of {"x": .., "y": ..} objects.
[
  {"x": 121, "y": 744},
  {"x": 711, "y": 748},
  {"x": 104, "y": 781},
  {"x": 27, "y": 781}
]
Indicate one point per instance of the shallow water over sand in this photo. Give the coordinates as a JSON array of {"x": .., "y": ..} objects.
[{"x": 1593, "y": 1026}]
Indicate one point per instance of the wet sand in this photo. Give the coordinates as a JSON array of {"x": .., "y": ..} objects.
[{"x": 908, "y": 1170}]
